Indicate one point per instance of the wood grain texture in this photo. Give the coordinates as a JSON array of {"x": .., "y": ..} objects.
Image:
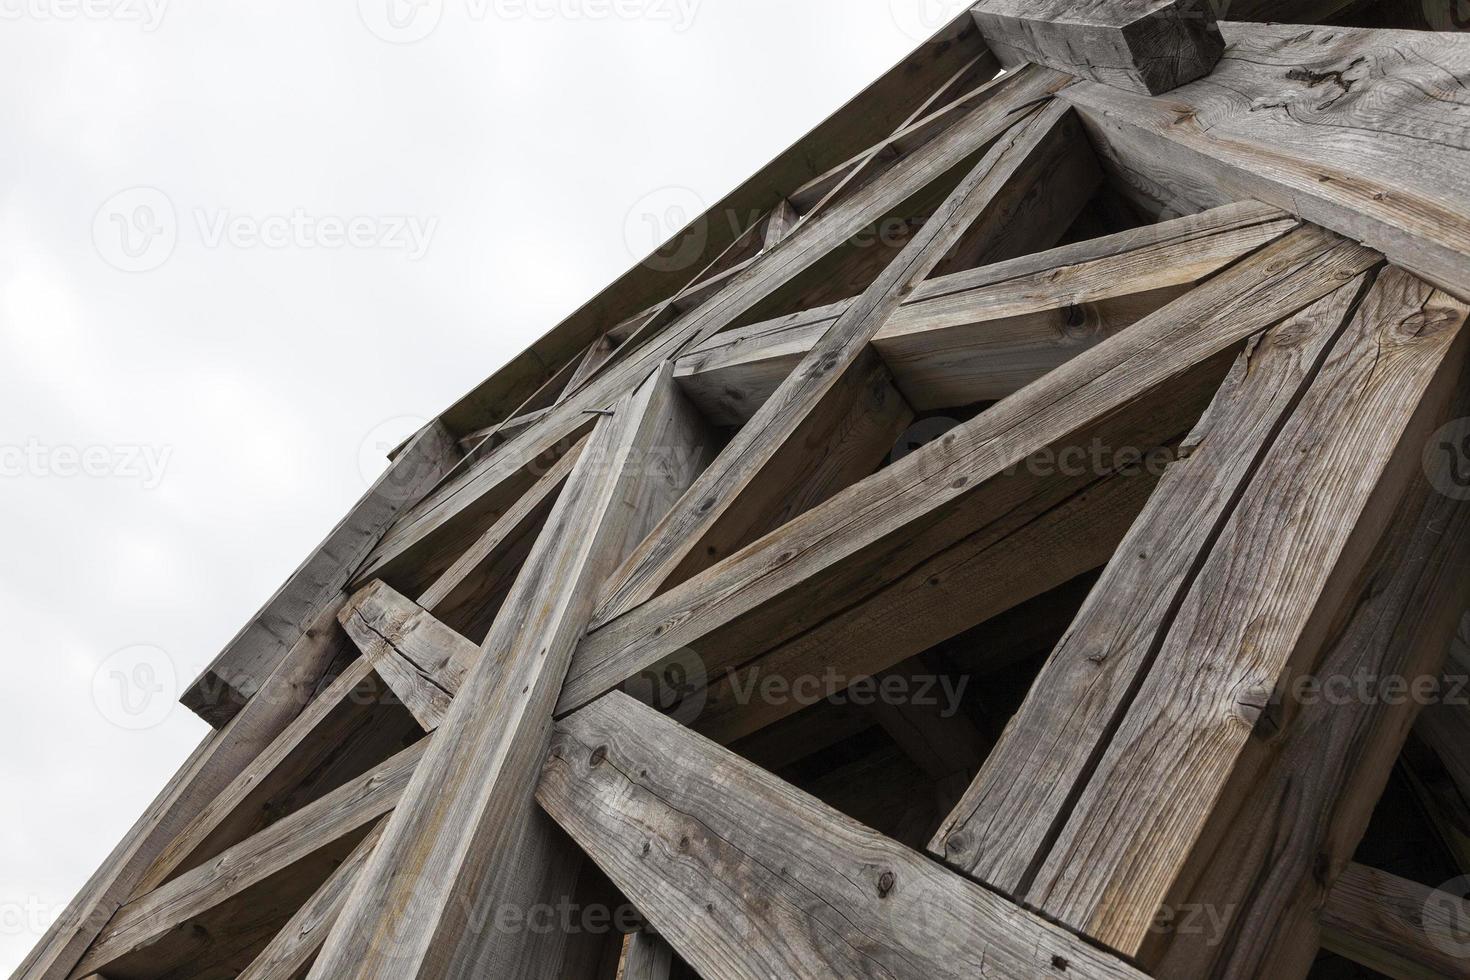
[
  {"x": 877, "y": 531},
  {"x": 1399, "y": 928},
  {"x": 1363, "y": 132},
  {"x": 984, "y": 334},
  {"x": 463, "y": 826},
  {"x": 747, "y": 877},
  {"x": 243, "y": 666},
  {"x": 1300, "y": 802},
  {"x": 1005, "y": 822},
  {"x": 150, "y": 936},
  {"x": 1259, "y": 608},
  {"x": 423, "y": 661},
  {"x": 647, "y": 957},
  {"x": 720, "y": 514},
  {"x": 290, "y": 954},
  {"x": 1147, "y": 46}
]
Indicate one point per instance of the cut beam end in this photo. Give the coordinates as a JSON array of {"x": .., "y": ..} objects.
[{"x": 1147, "y": 46}]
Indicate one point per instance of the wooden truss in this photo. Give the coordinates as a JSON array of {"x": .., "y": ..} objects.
[{"x": 1192, "y": 297}]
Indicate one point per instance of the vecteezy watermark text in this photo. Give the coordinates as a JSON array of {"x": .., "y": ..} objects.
[
  {"x": 144, "y": 464},
  {"x": 138, "y": 230},
  {"x": 146, "y": 14}
]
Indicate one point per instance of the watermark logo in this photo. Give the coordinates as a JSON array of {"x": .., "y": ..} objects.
[
  {"x": 144, "y": 464},
  {"x": 654, "y": 220},
  {"x": 1447, "y": 460},
  {"x": 1446, "y": 917},
  {"x": 136, "y": 230},
  {"x": 678, "y": 686},
  {"x": 135, "y": 688},
  {"x": 921, "y": 19},
  {"x": 139, "y": 229},
  {"x": 401, "y": 21},
  {"x": 146, "y": 14}
]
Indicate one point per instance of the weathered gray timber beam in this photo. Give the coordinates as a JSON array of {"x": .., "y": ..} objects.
[
  {"x": 433, "y": 533},
  {"x": 277, "y": 869},
  {"x": 770, "y": 462},
  {"x": 1398, "y": 928},
  {"x": 288, "y": 956},
  {"x": 881, "y": 532},
  {"x": 863, "y": 121},
  {"x": 467, "y": 836},
  {"x": 1363, "y": 132},
  {"x": 985, "y": 334},
  {"x": 218, "y": 761},
  {"x": 1296, "y": 811},
  {"x": 749, "y": 878},
  {"x": 1258, "y": 611},
  {"x": 243, "y": 666},
  {"x": 1148, "y": 46},
  {"x": 1005, "y": 821},
  {"x": 420, "y": 658}
]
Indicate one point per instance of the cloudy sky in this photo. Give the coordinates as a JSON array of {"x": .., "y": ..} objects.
[{"x": 245, "y": 245}]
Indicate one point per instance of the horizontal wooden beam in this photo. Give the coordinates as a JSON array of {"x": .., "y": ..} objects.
[
  {"x": 1363, "y": 132},
  {"x": 877, "y": 532},
  {"x": 428, "y": 538},
  {"x": 747, "y": 877},
  {"x": 1147, "y": 46},
  {"x": 984, "y": 334},
  {"x": 771, "y": 462},
  {"x": 1398, "y": 928}
]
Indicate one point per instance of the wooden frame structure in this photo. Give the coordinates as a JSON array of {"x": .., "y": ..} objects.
[{"x": 1191, "y": 296}]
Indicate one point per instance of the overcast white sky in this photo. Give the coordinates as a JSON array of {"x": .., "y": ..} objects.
[{"x": 202, "y": 355}]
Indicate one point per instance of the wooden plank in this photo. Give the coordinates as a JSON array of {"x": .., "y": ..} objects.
[
  {"x": 747, "y": 877},
  {"x": 1148, "y": 46},
  {"x": 148, "y": 936},
  {"x": 1398, "y": 928},
  {"x": 439, "y": 524},
  {"x": 459, "y": 840},
  {"x": 239, "y": 671},
  {"x": 420, "y": 658},
  {"x": 1298, "y": 806},
  {"x": 1363, "y": 132},
  {"x": 876, "y": 532},
  {"x": 243, "y": 806},
  {"x": 770, "y": 460},
  {"x": 291, "y": 953},
  {"x": 220, "y": 758},
  {"x": 647, "y": 957},
  {"x": 1303, "y": 531},
  {"x": 469, "y": 593},
  {"x": 984, "y": 334},
  {"x": 1007, "y": 818},
  {"x": 863, "y": 121}
]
